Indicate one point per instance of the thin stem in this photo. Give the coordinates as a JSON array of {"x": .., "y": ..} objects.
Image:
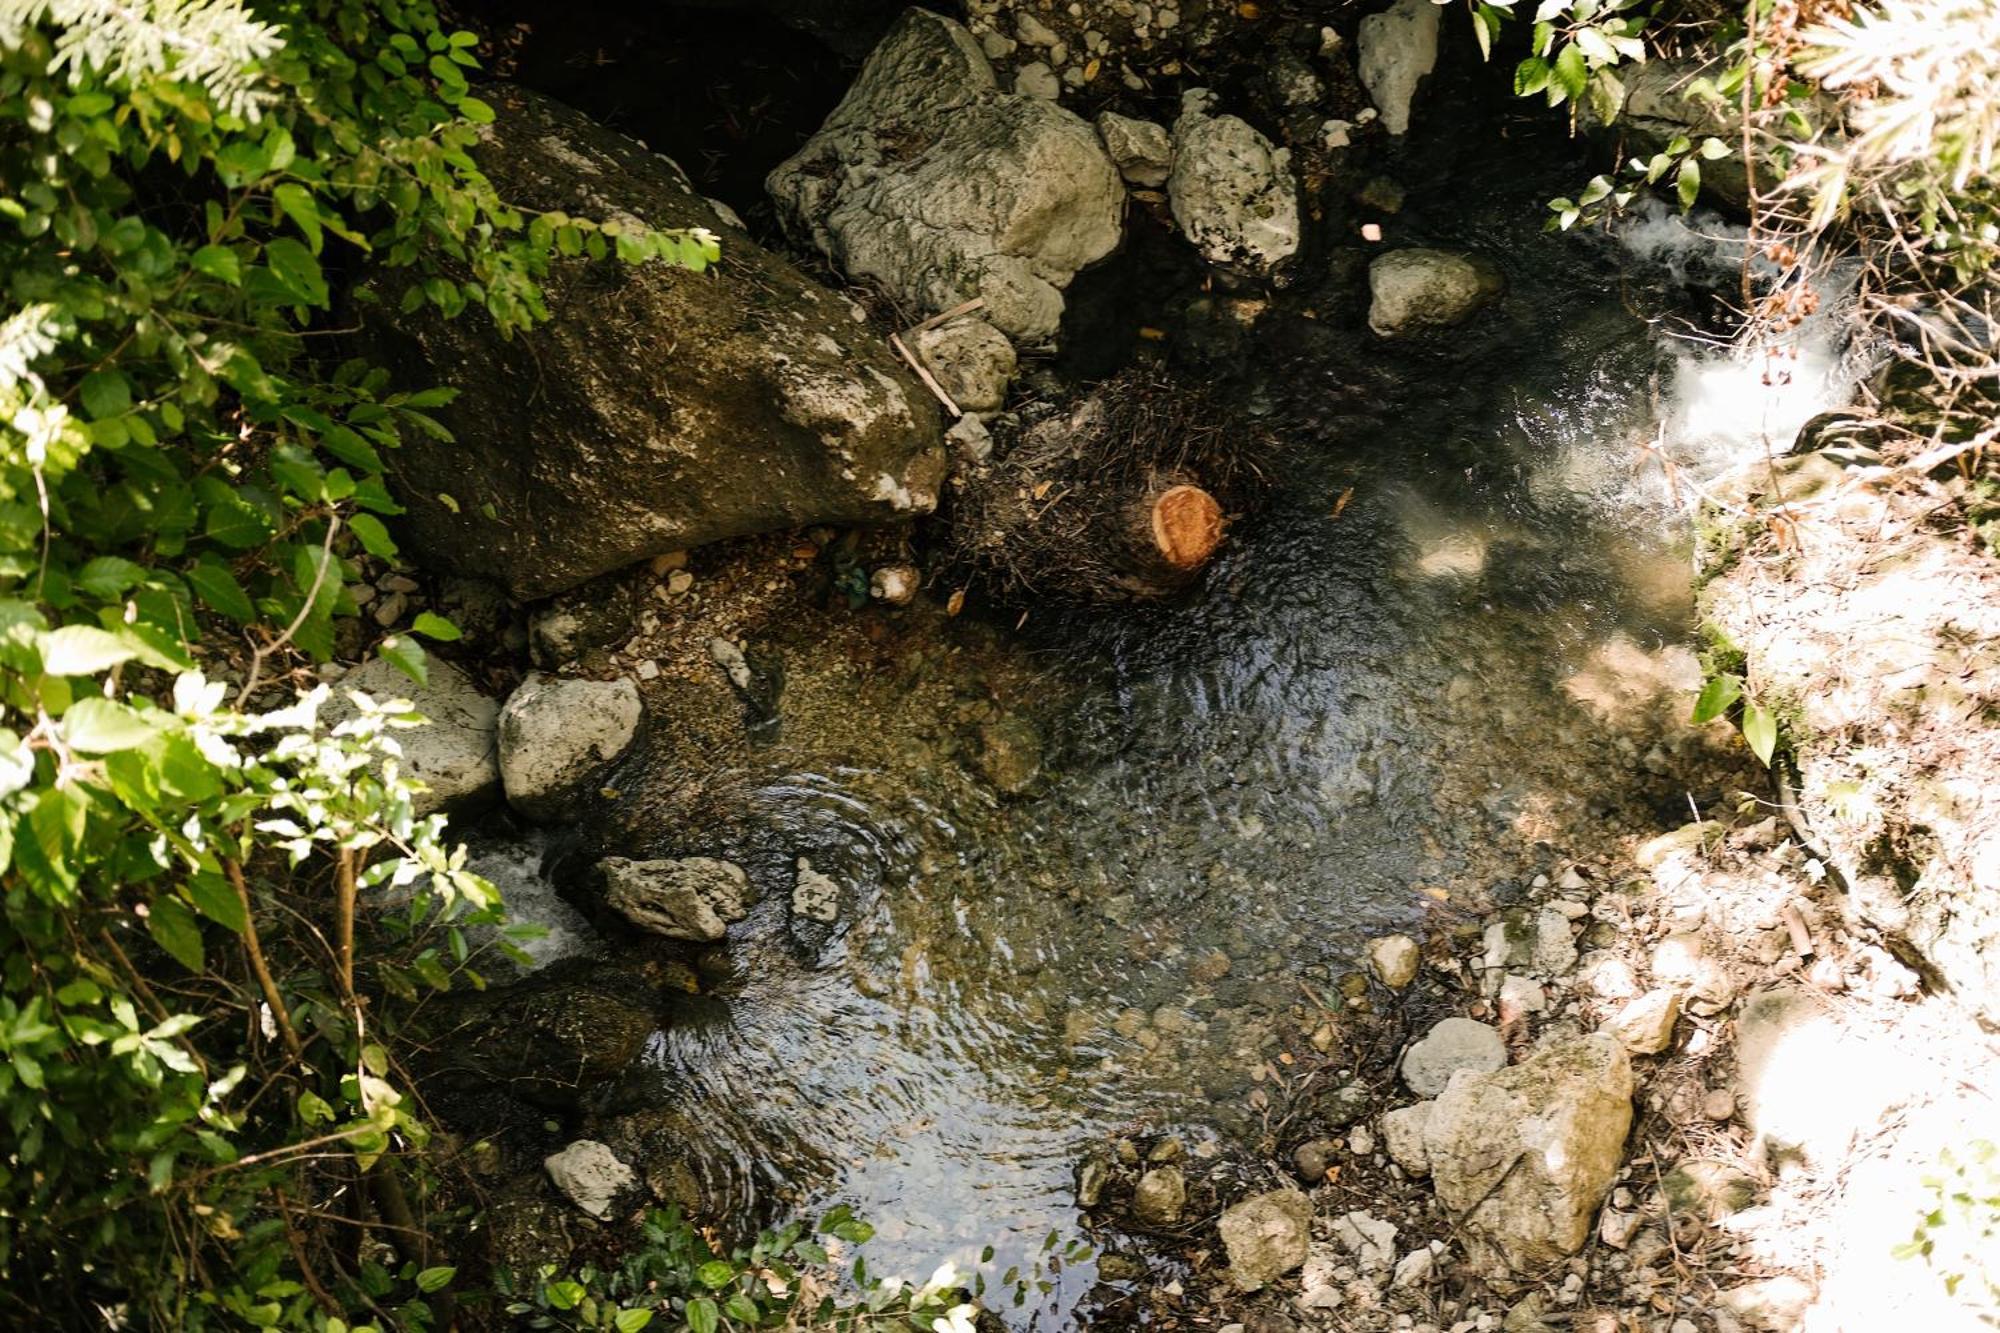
[{"x": 255, "y": 949}]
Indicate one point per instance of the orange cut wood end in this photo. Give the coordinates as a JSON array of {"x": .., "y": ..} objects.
[{"x": 1187, "y": 526}]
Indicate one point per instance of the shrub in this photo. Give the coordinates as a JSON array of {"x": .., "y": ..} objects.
[{"x": 207, "y": 1121}]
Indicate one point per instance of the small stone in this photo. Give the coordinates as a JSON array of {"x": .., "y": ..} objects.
[
  {"x": 1346, "y": 1104},
  {"x": 1368, "y": 1238},
  {"x": 1360, "y": 1141},
  {"x": 390, "y": 609},
  {"x": 1527, "y": 940},
  {"x": 1454, "y": 1044},
  {"x": 1160, "y": 1196},
  {"x": 1266, "y": 1236},
  {"x": 692, "y": 898},
  {"x": 971, "y": 442},
  {"x": 1403, "y": 1137},
  {"x": 730, "y": 658},
  {"x": 1394, "y": 960},
  {"x": 1719, "y": 1105},
  {"x": 1615, "y": 1228},
  {"x": 1678, "y": 959},
  {"x": 1091, "y": 1178},
  {"x": 1645, "y": 1026},
  {"x": 895, "y": 585},
  {"x": 1313, "y": 1157},
  {"x": 1415, "y": 1268},
  {"x": 971, "y": 360},
  {"x": 590, "y": 1175},
  {"x": 679, "y": 582},
  {"x": 815, "y": 896},
  {"x": 1519, "y": 995},
  {"x": 1142, "y": 149},
  {"x": 1010, "y": 753},
  {"x": 1036, "y": 79},
  {"x": 1033, "y": 31}
]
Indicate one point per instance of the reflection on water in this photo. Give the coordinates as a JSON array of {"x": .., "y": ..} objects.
[{"x": 1474, "y": 667}]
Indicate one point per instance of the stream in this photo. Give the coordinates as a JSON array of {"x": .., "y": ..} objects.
[{"x": 1453, "y": 653}]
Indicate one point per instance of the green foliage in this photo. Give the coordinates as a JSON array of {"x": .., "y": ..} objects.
[
  {"x": 1958, "y": 1236},
  {"x": 215, "y": 920},
  {"x": 1722, "y": 695},
  {"x": 680, "y": 1280}
]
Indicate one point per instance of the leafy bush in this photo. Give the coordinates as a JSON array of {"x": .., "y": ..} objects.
[{"x": 207, "y": 1119}]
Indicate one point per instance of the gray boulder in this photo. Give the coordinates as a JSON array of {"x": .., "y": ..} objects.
[
  {"x": 932, "y": 182},
  {"x": 557, "y": 734},
  {"x": 693, "y": 898},
  {"x": 1232, "y": 192},
  {"x": 657, "y": 409},
  {"x": 1160, "y": 1196},
  {"x": 1524, "y": 1155},
  {"x": 1266, "y": 1237},
  {"x": 1417, "y": 290},
  {"x": 456, "y": 753},
  {"x": 1397, "y": 50}
]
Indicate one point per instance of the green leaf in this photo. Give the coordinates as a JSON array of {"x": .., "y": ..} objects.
[
  {"x": 83, "y": 650},
  {"x": 96, "y": 725},
  {"x": 565, "y": 1295},
  {"x": 715, "y": 1274},
  {"x": 631, "y": 1321},
  {"x": 1713, "y": 149},
  {"x": 1569, "y": 75},
  {"x": 1531, "y": 76},
  {"x": 174, "y": 929},
  {"x": 300, "y": 206},
  {"x": 294, "y": 266},
  {"x": 1716, "y": 697},
  {"x": 373, "y": 535},
  {"x": 1689, "y": 183},
  {"x": 1760, "y": 729},
  {"x": 218, "y": 262},
  {"x": 702, "y": 1315},
  {"x": 435, "y": 1279},
  {"x": 105, "y": 393},
  {"x": 215, "y": 585},
  {"x": 108, "y": 576},
  {"x": 434, "y": 626},
  {"x": 406, "y": 655}
]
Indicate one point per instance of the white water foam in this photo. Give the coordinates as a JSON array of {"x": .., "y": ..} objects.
[{"x": 515, "y": 867}]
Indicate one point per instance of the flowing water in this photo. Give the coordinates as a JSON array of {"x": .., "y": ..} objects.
[{"x": 1454, "y": 651}]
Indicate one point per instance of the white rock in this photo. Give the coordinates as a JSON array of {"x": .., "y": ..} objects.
[
  {"x": 1368, "y": 1238},
  {"x": 456, "y": 753},
  {"x": 971, "y": 360},
  {"x": 1232, "y": 192},
  {"x": 931, "y": 181},
  {"x": 691, "y": 898},
  {"x": 1453, "y": 1045},
  {"x": 1645, "y": 1026},
  {"x": 1415, "y": 1268},
  {"x": 590, "y": 1175},
  {"x": 1266, "y": 1236},
  {"x": 1036, "y": 79},
  {"x": 1416, "y": 290},
  {"x": 1398, "y": 49},
  {"x": 1522, "y": 996},
  {"x": 1394, "y": 960},
  {"x": 558, "y": 733},
  {"x": 1524, "y": 1156},
  {"x": 815, "y": 896},
  {"x": 1143, "y": 151},
  {"x": 1403, "y": 1137}
]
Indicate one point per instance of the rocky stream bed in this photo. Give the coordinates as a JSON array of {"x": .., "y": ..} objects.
[{"x": 1361, "y": 937}]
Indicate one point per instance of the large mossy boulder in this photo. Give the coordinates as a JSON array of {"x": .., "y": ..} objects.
[{"x": 658, "y": 409}]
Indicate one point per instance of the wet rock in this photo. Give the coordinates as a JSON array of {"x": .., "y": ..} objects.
[
  {"x": 1120, "y": 1267},
  {"x": 815, "y": 896},
  {"x": 1454, "y": 1044},
  {"x": 590, "y": 1175},
  {"x": 1526, "y": 1154},
  {"x": 1403, "y": 1137},
  {"x": 545, "y": 1040},
  {"x": 456, "y": 753},
  {"x": 657, "y": 409},
  {"x": 557, "y": 734},
  {"x": 1417, "y": 290},
  {"x": 1141, "y": 149},
  {"x": 1397, "y": 50},
  {"x": 1645, "y": 1026},
  {"x": 1010, "y": 753},
  {"x": 931, "y": 181},
  {"x": 1160, "y": 1196},
  {"x": 1232, "y": 192},
  {"x": 1266, "y": 1237},
  {"x": 693, "y": 898},
  {"x": 971, "y": 360},
  {"x": 1394, "y": 959},
  {"x": 1091, "y": 1177}
]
